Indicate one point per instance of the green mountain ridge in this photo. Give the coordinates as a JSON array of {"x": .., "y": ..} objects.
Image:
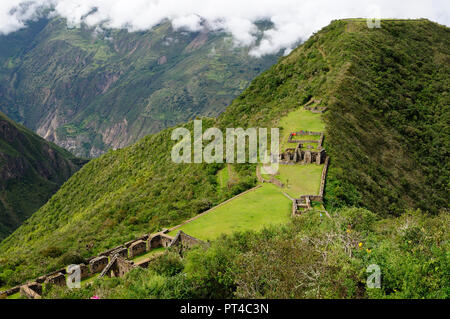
[
  {"x": 386, "y": 134},
  {"x": 31, "y": 170},
  {"x": 90, "y": 91}
]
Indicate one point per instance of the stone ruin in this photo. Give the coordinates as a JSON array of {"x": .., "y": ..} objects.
[
  {"x": 121, "y": 251},
  {"x": 184, "y": 241},
  {"x": 315, "y": 109},
  {"x": 98, "y": 264},
  {"x": 159, "y": 240},
  {"x": 305, "y": 133},
  {"x": 113, "y": 263},
  {"x": 85, "y": 272},
  {"x": 32, "y": 290},
  {"x": 58, "y": 279},
  {"x": 137, "y": 248},
  {"x": 117, "y": 267},
  {"x": 303, "y": 155}
]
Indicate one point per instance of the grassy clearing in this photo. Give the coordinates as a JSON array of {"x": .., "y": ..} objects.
[
  {"x": 314, "y": 146},
  {"x": 306, "y": 137},
  {"x": 252, "y": 211},
  {"x": 299, "y": 119},
  {"x": 147, "y": 255},
  {"x": 300, "y": 179}
]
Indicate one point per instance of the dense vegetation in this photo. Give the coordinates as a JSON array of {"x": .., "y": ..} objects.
[
  {"x": 378, "y": 162},
  {"x": 112, "y": 199},
  {"x": 31, "y": 170},
  {"x": 89, "y": 91},
  {"x": 312, "y": 257}
]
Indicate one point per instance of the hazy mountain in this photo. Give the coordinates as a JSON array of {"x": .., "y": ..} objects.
[{"x": 90, "y": 90}]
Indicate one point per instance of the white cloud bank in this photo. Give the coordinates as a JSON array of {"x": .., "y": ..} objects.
[{"x": 293, "y": 20}]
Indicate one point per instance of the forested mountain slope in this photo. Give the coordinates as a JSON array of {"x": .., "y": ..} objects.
[
  {"x": 31, "y": 170},
  {"x": 386, "y": 134},
  {"x": 388, "y": 124},
  {"x": 89, "y": 90}
]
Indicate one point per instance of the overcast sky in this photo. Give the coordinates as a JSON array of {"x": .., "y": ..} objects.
[{"x": 293, "y": 20}]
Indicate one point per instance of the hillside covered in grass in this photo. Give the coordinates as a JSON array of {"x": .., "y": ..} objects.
[
  {"x": 366, "y": 78},
  {"x": 31, "y": 170},
  {"x": 112, "y": 199}
]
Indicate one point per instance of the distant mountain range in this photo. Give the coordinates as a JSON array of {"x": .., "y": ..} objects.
[{"x": 89, "y": 90}]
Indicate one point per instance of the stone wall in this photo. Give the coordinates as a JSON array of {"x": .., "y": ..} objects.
[
  {"x": 57, "y": 279},
  {"x": 117, "y": 267},
  {"x": 122, "y": 252},
  {"x": 303, "y": 156},
  {"x": 10, "y": 291},
  {"x": 98, "y": 264},
  {"x": 131, "y": 242},
  {"x": 324, "y": 177},
  {"x": 316, "y": 109},
  {"x": 31, "y": 291},
  {"x": 304, "y": 200},
  {"x": 85, "y": 273},
  {"x": 184, "y": 240},
  {"x": 137, "y": 248}
]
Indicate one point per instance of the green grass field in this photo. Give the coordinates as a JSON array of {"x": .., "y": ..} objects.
[
  {"x": 300, "y": 179},
  {"x": 297, "y": 120},
  {"x": 252, "y": 211}
]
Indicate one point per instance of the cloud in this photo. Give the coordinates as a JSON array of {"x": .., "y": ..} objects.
[{"x": 293, "y": 20}]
